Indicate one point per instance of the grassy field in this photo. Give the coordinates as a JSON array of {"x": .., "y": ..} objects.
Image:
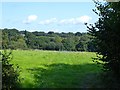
[{"x": 53, "y": 69}]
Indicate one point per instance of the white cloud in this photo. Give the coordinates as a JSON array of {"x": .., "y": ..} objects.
[
  {"x": 48, "y": 21},
  {"x": 84, "y": 19},
  {"x": 78, "y": 20},
  {"x": 67, "y": 21},
  {"x": 73, "y": 21},
  {"x": 30, "y": 19},
  {"x": 54, "y": 30}
]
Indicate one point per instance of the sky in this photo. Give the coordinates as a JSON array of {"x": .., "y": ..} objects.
[{"x": 48, "y": 16}]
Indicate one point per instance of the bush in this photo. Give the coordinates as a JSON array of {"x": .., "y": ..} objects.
[{"x": 10, "y": 74}]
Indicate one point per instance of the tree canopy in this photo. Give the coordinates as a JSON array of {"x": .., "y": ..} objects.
[{"x": 15, "y": 39}]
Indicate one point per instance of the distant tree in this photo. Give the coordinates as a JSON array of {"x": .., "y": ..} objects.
[
  {"x": 91, "y": 46},
  {"x": 83, "y": 42},
  {"x": 5, "y": 40},
  {"x": 80, "y": 47},
  {"x": 50, "y": 46},
  {"x": 63, "y": 35},
  {"x": 69, "y": 44},
  {"x": 50, "y": 32},
  {"x": 19, "y": 44},
  {"x": 11, "y": 38},
  {"x": 70, "y": 34},
  {"x": 39, "y": 33},
  {"x": 78, "y": 34},
  {"x": 14, "y": 39},
  {"x": 59, "y": 47},
  {"x": 30, "y": 39}
]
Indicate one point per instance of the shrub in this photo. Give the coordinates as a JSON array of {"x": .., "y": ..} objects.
[{"x": 10, "y": 74}]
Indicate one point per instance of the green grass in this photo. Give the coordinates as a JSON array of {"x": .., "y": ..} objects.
[{"x": 53, "y": 69}]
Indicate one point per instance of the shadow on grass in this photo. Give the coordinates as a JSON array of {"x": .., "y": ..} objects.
[{"x": 66, "y": 76}]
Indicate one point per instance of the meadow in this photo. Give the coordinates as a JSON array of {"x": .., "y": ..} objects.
[{"x": 57, "y": 69}]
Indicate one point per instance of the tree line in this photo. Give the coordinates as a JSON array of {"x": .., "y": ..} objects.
[{"x": 15, "y": 39}]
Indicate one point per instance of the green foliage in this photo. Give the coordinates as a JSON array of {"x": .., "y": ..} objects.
[
  {"x": 78, "y": 34},
  {"x": 91, "y": 46},
  {"x": 11, "y": 38},
  {"x": 10, "y": 74},
  {"x": 68, "y": 44},
  {"x": 80, "y": 46},
  {"x": 107, "y": 35},
  {"x": 15, "y": 39}
]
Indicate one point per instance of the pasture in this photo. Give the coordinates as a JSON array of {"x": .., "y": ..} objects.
[{"x": 57, "y": 69}]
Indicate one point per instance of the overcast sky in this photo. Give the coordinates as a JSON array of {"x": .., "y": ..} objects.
[{"x": 48, "y": 16}]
